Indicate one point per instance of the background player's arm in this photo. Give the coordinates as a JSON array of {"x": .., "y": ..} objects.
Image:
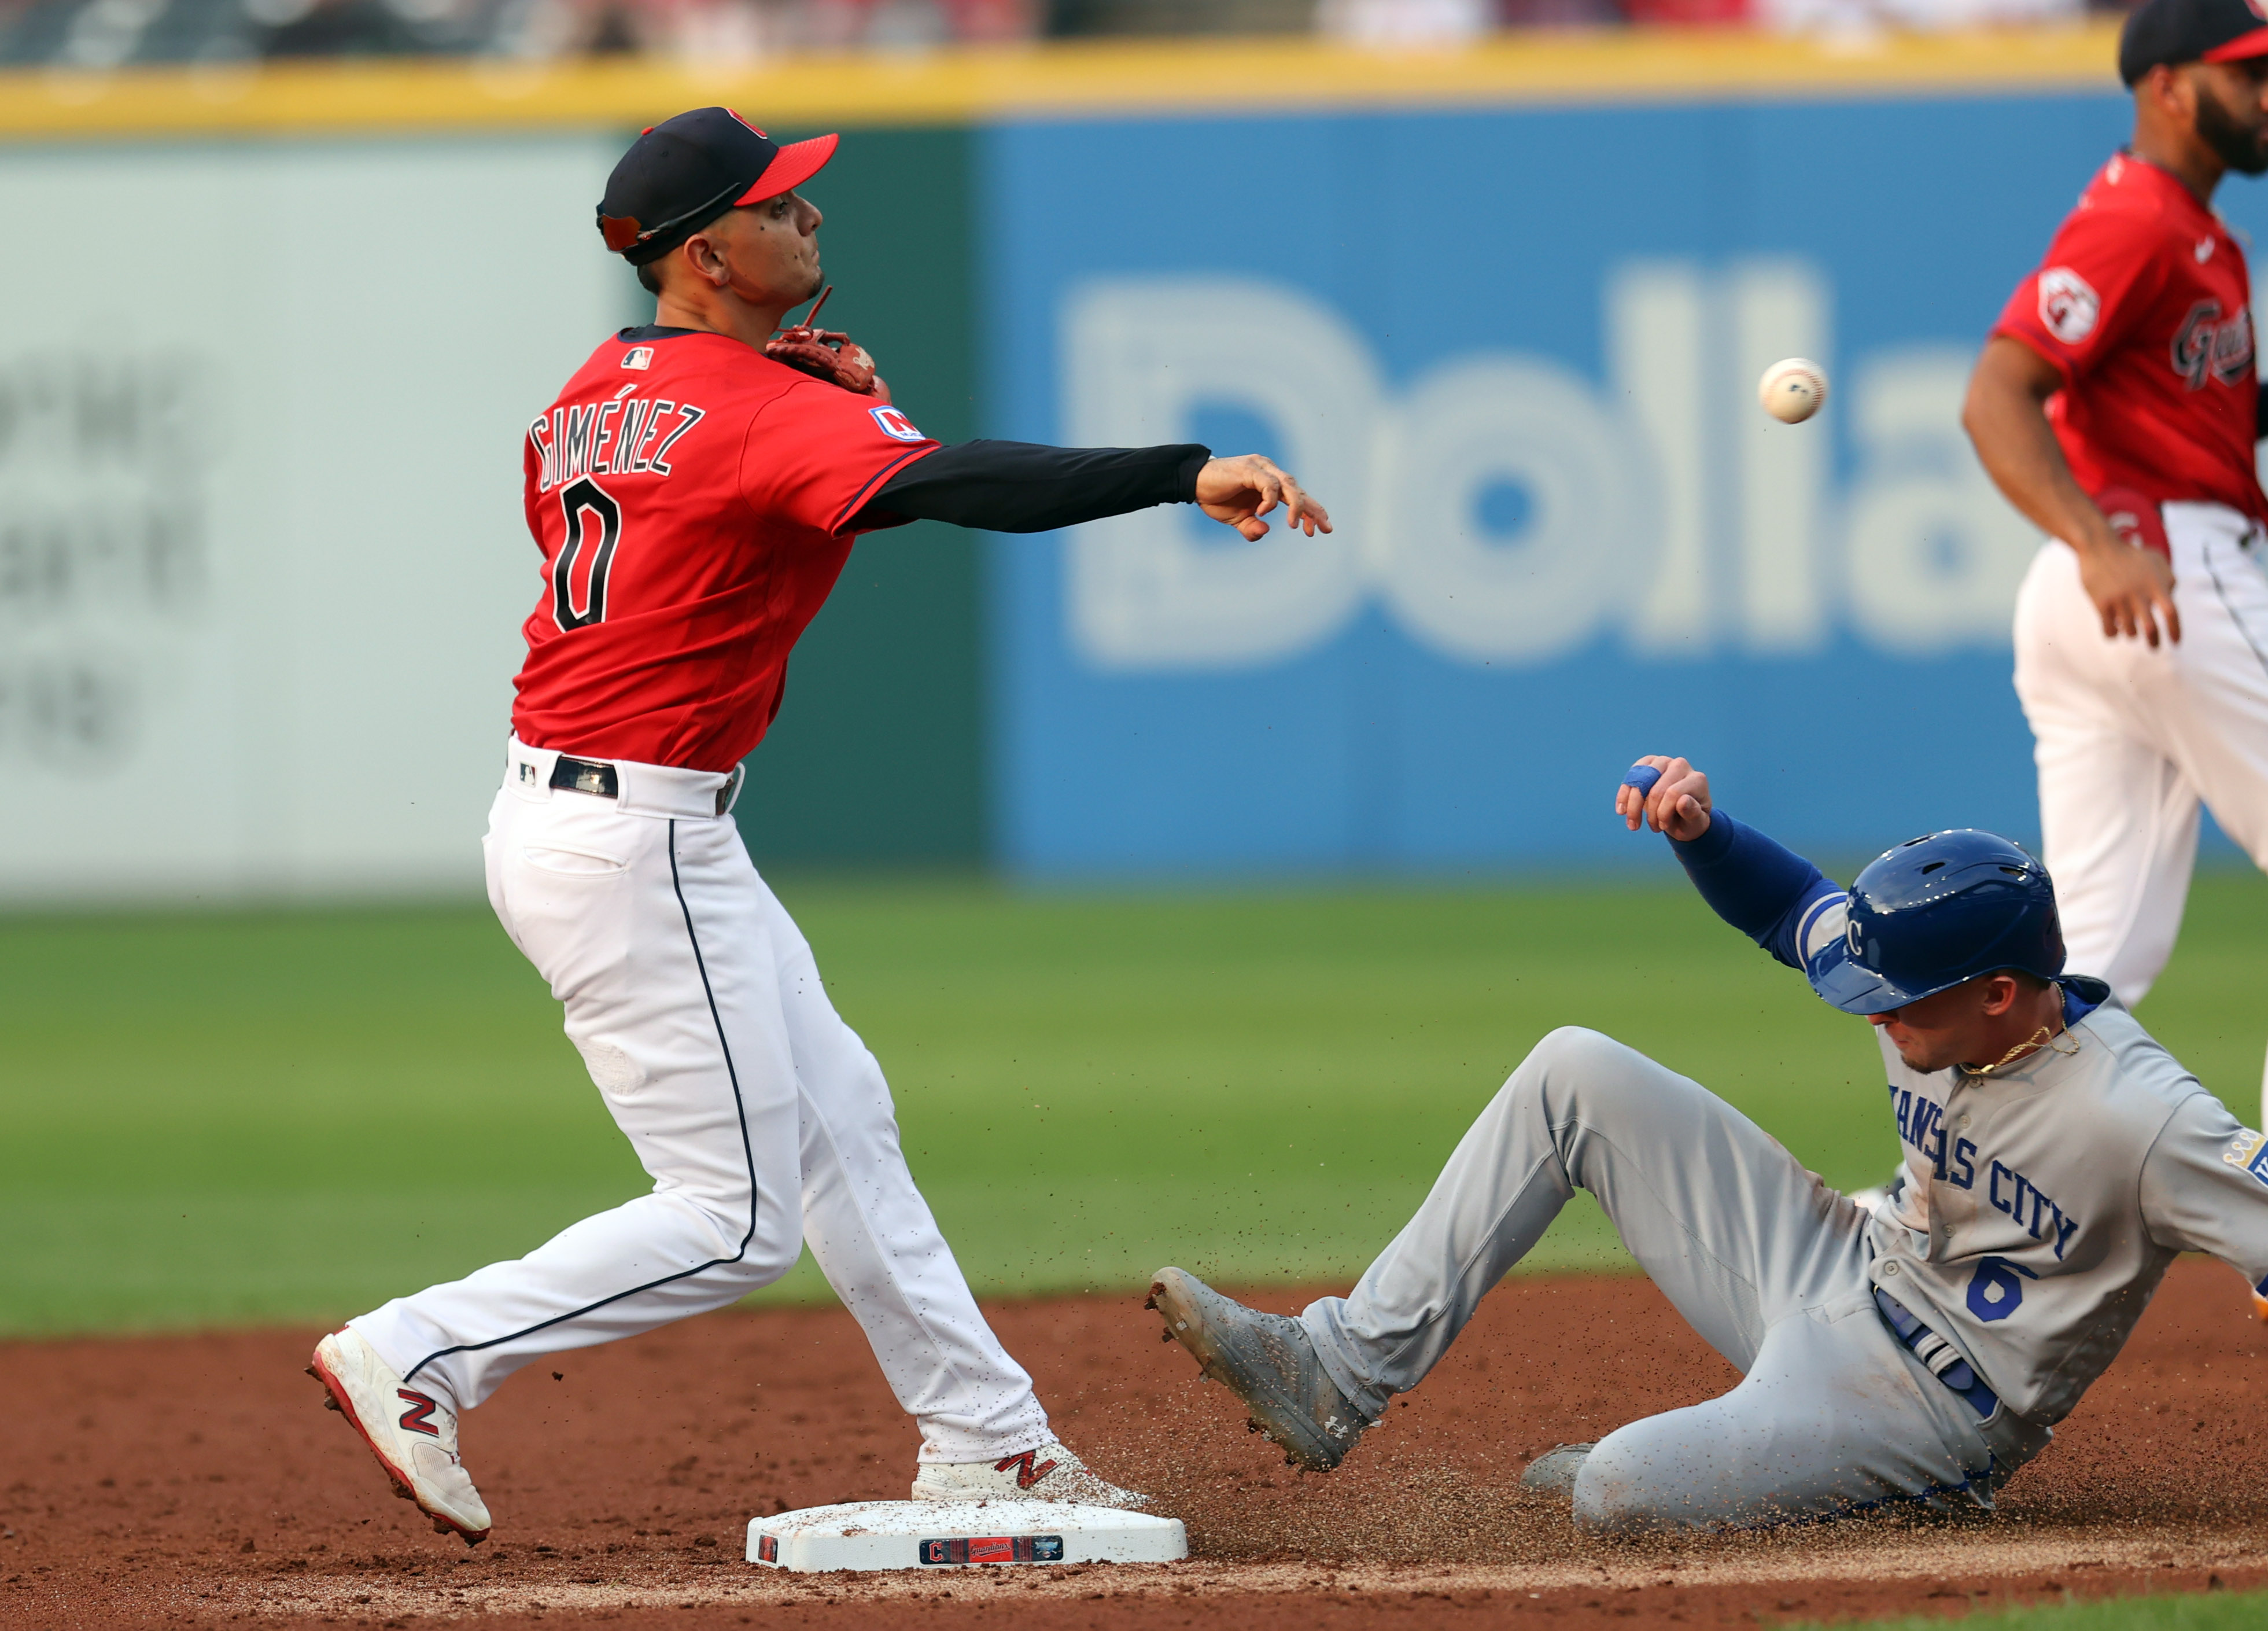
[
  {"x": 1026, "y": 487},
  {"x": 1768, "y": 892},
  {"x": 2006, "y": 417}
]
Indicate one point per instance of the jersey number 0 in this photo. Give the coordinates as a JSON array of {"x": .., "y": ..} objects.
[{"x": 587, "y": 508}]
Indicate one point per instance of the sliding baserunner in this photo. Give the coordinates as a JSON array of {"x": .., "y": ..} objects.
[{"x": 2058, "y": 1158}]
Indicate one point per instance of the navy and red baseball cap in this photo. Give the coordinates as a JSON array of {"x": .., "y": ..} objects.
[
  {"x": 2190, "y": 31},
  {"x": 685, "y": 172}
]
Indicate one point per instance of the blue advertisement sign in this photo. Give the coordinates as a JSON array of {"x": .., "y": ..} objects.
[{"x": 1516, "y": 352}]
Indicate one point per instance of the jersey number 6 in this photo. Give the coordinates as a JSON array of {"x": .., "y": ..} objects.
[
  {"x": 1994, "y": 1291},
  {"x": 582, "y": 503}
]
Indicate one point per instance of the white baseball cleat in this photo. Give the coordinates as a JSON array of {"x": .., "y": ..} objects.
[
  {"x": 413, "y": 1435},
  {"x": 1050, "y": 1472}
]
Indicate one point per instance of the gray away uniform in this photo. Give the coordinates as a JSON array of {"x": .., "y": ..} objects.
[{"x": 2041, "y": 1209}]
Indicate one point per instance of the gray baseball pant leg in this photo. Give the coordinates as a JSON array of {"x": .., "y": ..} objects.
[{"x": 1765, "y": 1261}]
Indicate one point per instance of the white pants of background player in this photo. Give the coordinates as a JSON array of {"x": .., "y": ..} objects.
[
  {"x": 1767, "y": 1263},
  {"x": 2131, "y": 739},
  {"x": 761, "y": 1117}
]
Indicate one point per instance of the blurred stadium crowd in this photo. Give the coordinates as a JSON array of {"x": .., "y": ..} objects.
[{"x": 108, "y": 33}]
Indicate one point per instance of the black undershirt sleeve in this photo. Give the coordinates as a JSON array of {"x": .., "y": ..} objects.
[{"x": 1024, "y": 487}]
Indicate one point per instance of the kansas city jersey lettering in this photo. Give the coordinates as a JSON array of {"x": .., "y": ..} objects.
[
  {"x": 2011, "y": 1191},
  {"x": 627, "y": 435},
  {"x": 1921, "y": 1123}
]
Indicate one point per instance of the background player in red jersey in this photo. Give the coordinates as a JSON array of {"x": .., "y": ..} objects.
[
  {"x": 694, "y": 499},
  {"x": 2117, "y": 405}
]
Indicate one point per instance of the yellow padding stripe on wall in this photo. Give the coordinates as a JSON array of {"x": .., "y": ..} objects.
[{"x": 1056, "y": 80}]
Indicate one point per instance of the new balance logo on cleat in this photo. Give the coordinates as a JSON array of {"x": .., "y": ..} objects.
[
  {"x": 411, "y": 1433},
  {"x": 1026, "y": 1474},
  {"x": 1047, "y": 1471}
]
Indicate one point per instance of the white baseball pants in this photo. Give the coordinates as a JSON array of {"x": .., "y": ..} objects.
[
  {"x": 2129, "y": 740},
  {"x": 761, "y": 1116}
]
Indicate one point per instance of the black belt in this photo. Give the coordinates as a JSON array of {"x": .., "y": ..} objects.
[
  {"x": 1944, "y": 1361},
  {"x": 585, "y": 776},
  {"x": 598, "y": 778}
]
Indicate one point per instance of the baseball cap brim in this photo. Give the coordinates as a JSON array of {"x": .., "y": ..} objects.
[
  {"x": 2254, "y": 44},
  {"x": 796, "y": 163},
  {"x": 1844, "y": 982}
]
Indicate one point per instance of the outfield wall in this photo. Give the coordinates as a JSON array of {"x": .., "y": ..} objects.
[
  {"x": 1516, "y": 350},
  {"x": 1503, "y": 308},
  {"x": 262, "y": 565}
]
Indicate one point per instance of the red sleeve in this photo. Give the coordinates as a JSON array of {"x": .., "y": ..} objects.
[
  {"x": 2098, "y": 279},
  {"x": 815, "y": 453}
]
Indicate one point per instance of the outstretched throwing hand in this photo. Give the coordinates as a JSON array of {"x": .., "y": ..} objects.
[
  {"x": 1240, "y": 491},
  {"x": 1667, "y": 795}
]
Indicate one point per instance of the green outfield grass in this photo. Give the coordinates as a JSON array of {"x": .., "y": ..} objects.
[
  {"x": 292, "y": 1115},
  {"x": 2213, "y": 1610}
]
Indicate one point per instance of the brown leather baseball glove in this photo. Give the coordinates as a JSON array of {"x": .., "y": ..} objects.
[{"x": 828, "y": 354}]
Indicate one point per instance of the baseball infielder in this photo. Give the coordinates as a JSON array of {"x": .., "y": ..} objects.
[
  {"x": 694, "y": 491},
  {"x": 2117, "y": 406},
  {"x": 2058, "y": 1159}
]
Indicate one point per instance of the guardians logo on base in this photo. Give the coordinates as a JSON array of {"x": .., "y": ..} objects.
[
  {"x": 995, "y": 1549},
  {"x": 2248, "y": 1150}
]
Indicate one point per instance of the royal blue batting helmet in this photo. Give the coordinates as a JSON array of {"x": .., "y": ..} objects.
[{"x": 1936, "y": 912}]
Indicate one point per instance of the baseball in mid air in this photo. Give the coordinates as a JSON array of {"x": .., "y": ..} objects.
[{"x": 1792, "y": 391}]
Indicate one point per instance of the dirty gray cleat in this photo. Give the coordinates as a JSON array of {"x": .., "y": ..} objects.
[
  {"x": 1555, "y": 1469},
  {"x": 1267, "y": 1361}
]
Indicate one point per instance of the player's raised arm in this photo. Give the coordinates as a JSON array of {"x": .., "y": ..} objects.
[
  {"x": 1025, "y": 487},
  {"x": 1668, "y": 796},
  {"x": 1770, "y": 893}
]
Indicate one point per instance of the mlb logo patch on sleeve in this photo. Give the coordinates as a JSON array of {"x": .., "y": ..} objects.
[
  {"x": 2248, "y": 1150},
  {"x": 639, "y": 357}
]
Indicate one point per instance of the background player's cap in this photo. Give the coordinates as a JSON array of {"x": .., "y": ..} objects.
[
  {"x": 685, "y": 172},
  {"x": 2190, "y": 31}
]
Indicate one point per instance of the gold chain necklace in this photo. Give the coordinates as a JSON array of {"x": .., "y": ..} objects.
[{"x": 2045, "y": 1036}]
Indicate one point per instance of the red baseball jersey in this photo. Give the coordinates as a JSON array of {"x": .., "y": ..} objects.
[
  {"x": 692, "y": 499},
  {"x": 2145, "y": 306}
]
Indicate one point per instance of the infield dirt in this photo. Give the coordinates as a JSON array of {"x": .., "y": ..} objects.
[{"x": 180, "y": 1480}]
